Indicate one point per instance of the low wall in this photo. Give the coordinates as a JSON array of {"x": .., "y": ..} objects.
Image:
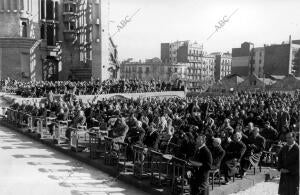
[{"x": 85, "y": 98}]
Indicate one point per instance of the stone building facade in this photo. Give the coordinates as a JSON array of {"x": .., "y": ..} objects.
[
  {"x": 55, "y": 40},
  {"x": 182, "y": 60},
  {"x": 222, "y": 65}
]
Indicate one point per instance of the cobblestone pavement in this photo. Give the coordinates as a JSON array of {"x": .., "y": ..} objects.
[
  {"x": 30, "y": 168},
  {"x": 264, "y": 188}
]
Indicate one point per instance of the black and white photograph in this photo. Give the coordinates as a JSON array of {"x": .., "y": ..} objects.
[{"x": 149, "y": 97}]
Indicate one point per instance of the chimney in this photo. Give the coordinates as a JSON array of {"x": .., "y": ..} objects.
[{"x": 290, "y": 39}]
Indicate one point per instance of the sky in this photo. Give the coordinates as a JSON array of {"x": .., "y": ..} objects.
[{"x": 158, "y": 21}]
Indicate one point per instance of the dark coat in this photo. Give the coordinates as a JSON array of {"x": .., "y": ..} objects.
[
  {"x": 283, "y": 119},
  {"x": 257, "y": 144},
  {"x": 269, "y": 134},
  {"x": 235, "y": 150},
  {"x": 151, "y": 140},
  {"x": 289, "y": 159},
  {"x": 199, "y": 182},
  {"x": 217, "y": 154}
]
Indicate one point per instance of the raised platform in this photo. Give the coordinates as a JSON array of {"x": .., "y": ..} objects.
[
  {"x": 239, "y": 185},
  {"x": 165, "y": 94}
]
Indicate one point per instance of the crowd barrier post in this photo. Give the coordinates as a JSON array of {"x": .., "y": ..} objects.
[
  {"x": 39, "y": 126},
  {"x": 4, "y": 113},
  {"x": 44, "y": 127},
  {"x": 29, "y": 121},
  {"x": 74, "y": 139},
  {"x": 35, "y": 124},
  {"x": 9, "y": 115},
  {"x": 60, "y": 131},
  {"x": 15, "y": 117},
  {"x": 93, "y": 143},
  {"x": 24, "y": 122},
  {"x": 12, "y": 116}
]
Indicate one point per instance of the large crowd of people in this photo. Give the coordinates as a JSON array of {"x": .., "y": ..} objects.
[
  {"x": 37, "y": 89},
  {"x": 235, "y": 129}
]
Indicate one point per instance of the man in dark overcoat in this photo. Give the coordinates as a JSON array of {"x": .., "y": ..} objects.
[
  {"x": 288, "y": 165},
  {"x": 201, "y": 163}
]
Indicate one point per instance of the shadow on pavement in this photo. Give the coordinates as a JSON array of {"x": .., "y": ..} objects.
[{"x": 68, "y": 173}]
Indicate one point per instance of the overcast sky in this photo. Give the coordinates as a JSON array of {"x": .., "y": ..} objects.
[{"x": 257, "y": 21}]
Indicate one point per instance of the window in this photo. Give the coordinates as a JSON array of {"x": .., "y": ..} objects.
[
  {"x": 24, "y": 29},
  {"x": 66, "y": 7},
  {"x": 72, "y": 8},
  {"x": 259, "y": 61},
  {"x": 49, "y": 10},
  {"x": 50, "y": 35},
  {"x": 42, "y": 31},
  {"x": 56, "y": 11}
]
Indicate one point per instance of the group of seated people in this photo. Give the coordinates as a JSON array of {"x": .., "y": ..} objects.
[
  {"x": 236, "y": 129},
  {"x": 41, "y": 88}
]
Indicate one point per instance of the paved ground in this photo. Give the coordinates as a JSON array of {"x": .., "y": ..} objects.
[
  {"x": 30, "y": 168},
  {"x": 264, "y": 188}
]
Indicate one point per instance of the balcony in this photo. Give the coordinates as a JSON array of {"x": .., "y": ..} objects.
[
  {"x": 68, "y": 13},
  {"x": 70, "y": 2}
]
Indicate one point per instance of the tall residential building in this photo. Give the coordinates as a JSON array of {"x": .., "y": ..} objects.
[
  {"x": 258, "y": 61},
  {"x": 241, "y": 59},
  {"x": 152, "y": 69},
  {"x": 55, "y": 40},
  {"x": 147, "y": 70},
  {"x": 275, "y": 59},
  {"x": 199, "y": 67},
  {"x": 222, "y": 65},
  {"x": 180, "y": 51}
]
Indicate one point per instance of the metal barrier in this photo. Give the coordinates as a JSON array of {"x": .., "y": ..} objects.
[
  {"x": 60, "y": 132},
  {"x": 79, "y": 138}
]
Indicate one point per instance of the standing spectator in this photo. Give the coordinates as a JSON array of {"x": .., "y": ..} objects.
[
  {"x": 288, "y": 165},
  {"x": 283, "y": 120},
  {"x": 202, "y": 163}
]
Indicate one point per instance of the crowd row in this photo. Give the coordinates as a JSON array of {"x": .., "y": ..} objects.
[{"x": 42, "y": 88}]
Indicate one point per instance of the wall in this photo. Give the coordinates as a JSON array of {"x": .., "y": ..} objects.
[
  {"x": 19, "y": 55},
  {"x": 240, "y": 65},
  {"x": 182, "y": 54},
  {"x": 164, "y": 52},
  {"x": 9, "y": 25},
  {"x": 277, "y": 59},
  {"x": 240, "y": 60}
]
